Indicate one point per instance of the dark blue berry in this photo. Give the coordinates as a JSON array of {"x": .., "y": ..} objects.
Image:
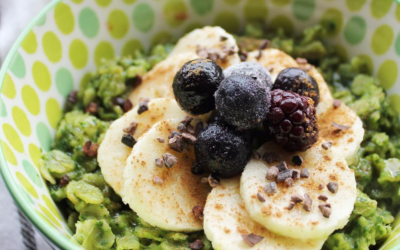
[
  {"x": 195, "y": 84},
  {"x": 298, "y": 81},
  {"x": 252, "y": 69},
  {"x": 222, "y": 150},
  {"x": 242, "y": 101}
]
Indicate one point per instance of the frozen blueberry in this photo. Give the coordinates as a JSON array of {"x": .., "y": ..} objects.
[
  {"x": 252, "y": 69},
  {"x": 298, "y": 81},
  {"x": 242, "y": 101},
  {"x": 195, "y": 84},
  {"x": 222, "y": 150}
]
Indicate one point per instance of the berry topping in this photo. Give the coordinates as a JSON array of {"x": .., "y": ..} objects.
[
  {"x": 195, "y": 84},
  {"x": 222, "y": 150},
  {"x": 252, "y": 69},
  {"x": 298, "y": 81},
  {"x": 242, "y": 101},
  {"x": 292, "y": 120}
]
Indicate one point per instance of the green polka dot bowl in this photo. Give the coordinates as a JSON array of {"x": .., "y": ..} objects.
[{"x": 70, "y": 38}]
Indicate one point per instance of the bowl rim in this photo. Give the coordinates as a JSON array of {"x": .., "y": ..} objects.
[{"x": 56, "y": 237}]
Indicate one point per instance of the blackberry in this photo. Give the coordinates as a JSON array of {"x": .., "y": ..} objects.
[
  {"x": 195, "y": 84},
  {"x": 242, "y": 101},
  {"x": 292, "y": 120},
  {"x": 252, "y": 69},
  {"x": 298, "y": 81},
  {"x": 222, "y": 150}
]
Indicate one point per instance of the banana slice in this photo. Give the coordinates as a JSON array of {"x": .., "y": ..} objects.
[
  {"x": 277, "y": 60},
  {"x": 347, "y": 140},
  {"x": 112, "y": 153},
  {"x": 226, "y": 219},
  {"x": 214, "y": 39},
  {"x": 324, "y": 167},
  {"x": 157, "y": 83},
  {"x": 169, "y": 204}
]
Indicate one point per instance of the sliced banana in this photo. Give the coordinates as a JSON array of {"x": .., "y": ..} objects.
[
  {"x": 214, "y": 38},
  {"x": 226, "y": 219},
  {"x": 157, "y": 83},
  {"x": 112, "y": 153},
  {"x": 324, "y": 166},
  {"x": 277, "y": 60},
  {"x": 167, "y": 205},
  {"x": 347, "y": 140}
]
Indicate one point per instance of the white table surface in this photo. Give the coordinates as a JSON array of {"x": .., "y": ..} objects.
[{"x": 14, "y": 17}]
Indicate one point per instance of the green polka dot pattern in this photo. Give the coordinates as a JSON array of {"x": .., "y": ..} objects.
[{"x": 74, "y": 36}]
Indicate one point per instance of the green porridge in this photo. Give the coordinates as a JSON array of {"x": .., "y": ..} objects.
[{"x": 99, "y": 219}]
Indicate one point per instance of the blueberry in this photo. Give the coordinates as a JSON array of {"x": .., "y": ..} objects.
[
  {"x": 298, "y": 81},
  {"x": 253, "y": 69},
  {"x": 242, "y": 101},
  {"x": 222, "y": 150},
  {"x": 195, "y": 84}
]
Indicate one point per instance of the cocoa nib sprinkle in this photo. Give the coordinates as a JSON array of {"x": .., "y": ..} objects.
[
  {"x": 213, "y": 181},
  {"x": 340, "y": 127},
  {"x": 64, "y": 180},
  {"x": 128, "y": 140},
  {"x": 296, "y": 198},
  {"x": 297, "y": 160},
  {"x": 160, "y": 140},
  {"x": 320, "y": 186},
  {"x": 173, "y": 134},
  {"x": 159, "y": 162},
  {"x": 169, "y": 160},
  {"x": 322, "y": 197},
  {"x": 198, "y": 212},
  {"x": 204, "y": 180},
  {"x": 252, "y": 239},
  {"x": 127, "y": 105},
  {"x": 282, "y": 166},
  {"x": 243, "y": 55},
  {"x": 307, "y": 202},
  {"x": 190, "y": 129},
  {"x": 337, "y": 103},
  {"x": 188, "y": 137},
  {"x": 289, "y": 182},
  {"x": 282, "y": 176},
  {"x": 223, "y": 38},
  {"x": 157, "y": 180},
  {"x": 333, "y": 187},
  {"x": 215, "y": 53},
  {"x": 73, "y": 97},
  {"x": 295, "y": 174},
  {"x": 326, "y": 209},
  {"x": 181, "y": 127},
  {"x": 176, "y": 143},
  {"x": 92, "y": 108},
  {"x": 259, "y": 55},
  {"x": 264, "y": 44},
  {"x": 260, "y": 197},
  {"x": 272, "y": 173},
  {"x": 270, "y": 157},
  {"x": 291, "y": 205},
  {"x": 196, "y": 245},
  {"x": 187, "y": 120},
  {"x": 143, "y": 106},
  {"x": 304, "y": 173},
  {"x": 131, "y": 129},
  {"x": 327, "y": 145},
  {"x": 270, "y": 188},
  {"x": 300, "y": 60},
  {"x": 90, "y": 149}
]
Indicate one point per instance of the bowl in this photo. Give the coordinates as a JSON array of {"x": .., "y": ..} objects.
[{"x": 69, "y": 38}]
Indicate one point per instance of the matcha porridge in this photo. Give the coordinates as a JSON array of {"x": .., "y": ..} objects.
[{"x": 220, "y": 141}]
